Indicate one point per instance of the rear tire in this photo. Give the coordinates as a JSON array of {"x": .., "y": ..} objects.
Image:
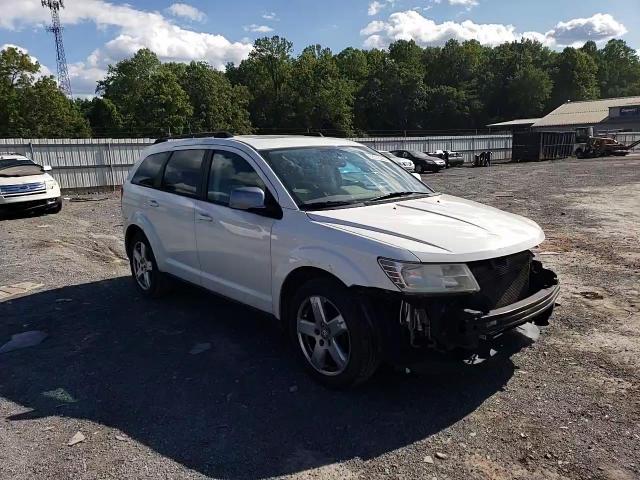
[
  {"x": 333, "y": 337},
  {"x": 149, "y": 281}
]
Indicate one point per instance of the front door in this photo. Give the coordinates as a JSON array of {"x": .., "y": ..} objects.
[{"x": 234, "y": 246}]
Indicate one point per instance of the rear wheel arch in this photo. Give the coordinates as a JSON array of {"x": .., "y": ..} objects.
[{"x": 129, "y": 235}]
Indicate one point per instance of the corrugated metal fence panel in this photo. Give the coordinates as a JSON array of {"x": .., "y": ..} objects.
[
  {"x": 629, "y": 138},
  {"x": 103, "y": 162},
  {"x": 467, "y": 145},
  {"x": 82, "y": 163}
]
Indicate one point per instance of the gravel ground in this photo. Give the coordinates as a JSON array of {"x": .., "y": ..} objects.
[{"x": 118, "y": 368}]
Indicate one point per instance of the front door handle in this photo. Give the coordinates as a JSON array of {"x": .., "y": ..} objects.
[
  {"x": 203, "y": 217},
  {"x": 153, "y": 203}
]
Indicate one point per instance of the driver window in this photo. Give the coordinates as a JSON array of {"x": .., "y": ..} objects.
[{"x": 229, "y": 171}]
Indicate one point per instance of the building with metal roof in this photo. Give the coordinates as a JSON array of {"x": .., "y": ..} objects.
[
  {"x": 610, "y": 114},
  {"x": 513, "y": 125}
]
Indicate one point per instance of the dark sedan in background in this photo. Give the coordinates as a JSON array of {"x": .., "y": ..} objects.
[{"x": 422, "y": 161}]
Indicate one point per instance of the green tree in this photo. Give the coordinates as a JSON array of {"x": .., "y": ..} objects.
[
  {"x": 44, "y": 111},
  {"x": 321, "y": 97},
  {"x": 217, "y": 105},
  {"x": 33, "y": 108},
  {"x": 575, "y": 77},
  {"x": 164, "y": 106},
  {"x": 506, "y": 72},
  {"x": 147, "y": 95},
  {"x": 266, "y": 74},
  {"x": 103, "y": 116},
  {"x": 619, "y": 70}
]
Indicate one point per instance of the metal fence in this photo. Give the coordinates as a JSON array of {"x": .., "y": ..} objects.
[
  {"x": 84, "y": 162},
  {"x": 103, "y": 162}
]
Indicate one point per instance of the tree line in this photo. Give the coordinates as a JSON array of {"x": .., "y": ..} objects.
[{"x": 461, "y": 85}]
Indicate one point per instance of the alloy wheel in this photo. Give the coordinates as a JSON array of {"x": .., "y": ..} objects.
[
  {"x": 142, "y": 265},
  {"x": 323, "y": 335}
]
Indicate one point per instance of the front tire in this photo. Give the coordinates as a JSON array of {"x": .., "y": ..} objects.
[
  {"x": 149, "y": 281},
  {"x": 332, "y": 335},
  {"x": 57, "y": 208}
]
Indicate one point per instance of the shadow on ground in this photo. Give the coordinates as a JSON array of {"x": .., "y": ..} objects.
[{"x": 227, "y": 412}]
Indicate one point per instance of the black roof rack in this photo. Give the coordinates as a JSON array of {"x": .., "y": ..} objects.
[{"x": 219, "y": 134}]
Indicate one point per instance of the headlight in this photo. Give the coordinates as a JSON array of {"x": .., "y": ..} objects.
[
  {"x": 51, "y": 184},
  {"x": 429, "y": 277}
]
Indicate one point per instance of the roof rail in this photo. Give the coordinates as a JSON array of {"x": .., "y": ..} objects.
[
  {"x": 312, "y": 134},
  {"x": 218, "y": 134}
]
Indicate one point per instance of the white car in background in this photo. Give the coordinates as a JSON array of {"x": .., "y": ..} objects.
[
  {"x": 25, "y": 185},
  {"x": 405, "y": 163},
  {"x": 359, "y": 261}
]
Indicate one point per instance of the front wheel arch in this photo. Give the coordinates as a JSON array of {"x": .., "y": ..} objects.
[{"x": 295, "y": 280}]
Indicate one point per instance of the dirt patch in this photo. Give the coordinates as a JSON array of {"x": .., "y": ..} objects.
[{"x": 564, "y": 407}]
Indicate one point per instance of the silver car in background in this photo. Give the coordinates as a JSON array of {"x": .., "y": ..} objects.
[{"x": 403, "y": 162}]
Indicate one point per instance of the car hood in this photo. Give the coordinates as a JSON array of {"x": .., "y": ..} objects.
[
  {"x": 441, "y": 228},
  {"x": 19, "y": 180}
]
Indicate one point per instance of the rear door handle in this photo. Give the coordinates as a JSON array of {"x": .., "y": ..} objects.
[
  {"x": 153, "y": 203},
  {"x": 203, "y": 217}
]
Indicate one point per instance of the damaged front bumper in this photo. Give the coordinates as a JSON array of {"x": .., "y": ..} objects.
[{"x": 450, "y": 323}]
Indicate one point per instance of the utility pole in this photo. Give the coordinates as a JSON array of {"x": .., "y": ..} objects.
[{"x": 56, "y": 29}]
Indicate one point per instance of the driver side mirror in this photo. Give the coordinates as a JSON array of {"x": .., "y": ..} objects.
[
  {"x": 246, "y": 198},
  {"x": 46, "y": 168},
  {"x": 417, "y": 175}
]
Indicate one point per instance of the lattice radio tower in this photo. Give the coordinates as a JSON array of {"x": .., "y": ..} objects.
[{"x": 56, "y": 29}]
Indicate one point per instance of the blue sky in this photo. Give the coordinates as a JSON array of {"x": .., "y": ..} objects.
[{"x": 100, "y": 32}]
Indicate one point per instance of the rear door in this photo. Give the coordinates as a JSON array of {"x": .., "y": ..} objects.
[
  {"x": 234, "y": 246},
  {"x": 172, "y": 211}
]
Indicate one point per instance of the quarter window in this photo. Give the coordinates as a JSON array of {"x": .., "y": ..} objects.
[
  {"x": 182, "y": 173},
  {"x": 230, "y": 171},
  {"x": 149, "y": 169}
]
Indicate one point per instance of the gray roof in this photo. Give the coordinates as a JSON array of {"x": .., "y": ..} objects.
[
  {"x": 513, "y": 123},
  {"x": 584, "y": 113}
]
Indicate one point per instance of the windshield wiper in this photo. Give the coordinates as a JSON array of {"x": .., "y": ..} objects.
[
  {"x": 327, "y": 204},
  {"x": 389, "y": 196}
]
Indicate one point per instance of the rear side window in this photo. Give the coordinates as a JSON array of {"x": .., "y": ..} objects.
[
  {"x": 229, "y": 171},
  {"x": 183, "y": 172},
  {"x": 149, "y": 169}
]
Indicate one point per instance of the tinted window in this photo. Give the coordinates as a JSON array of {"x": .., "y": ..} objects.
[
  {"x": 182, "y": 173},
  {"x": 149, "y": 169},
  {"x": 229, "y": 171}
]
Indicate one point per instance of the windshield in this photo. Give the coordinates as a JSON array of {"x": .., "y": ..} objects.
[
  {"x": 17, "y": 167},
  {"x": 325, "y": 177}
]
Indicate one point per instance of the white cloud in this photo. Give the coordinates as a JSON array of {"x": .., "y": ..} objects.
[
  {"x": 469, "y": 4},
  {"x": 374, "y": 8},
  {"x": 187, "y": 11},
  {"x": 411, "y": 25},
  {"x": 270, "y": 16},
  {"x": 258, "y": 28},
  {"x": 599, "y": 27},
  {"x": 134, "y": 29}
]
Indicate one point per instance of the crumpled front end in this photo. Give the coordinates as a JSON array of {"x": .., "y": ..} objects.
[{"x": 514, "y": 290}]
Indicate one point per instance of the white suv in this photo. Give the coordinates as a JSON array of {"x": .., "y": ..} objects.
[
  {"x": 25, "y": 185},
  {"x": 357, "y": 258}
]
